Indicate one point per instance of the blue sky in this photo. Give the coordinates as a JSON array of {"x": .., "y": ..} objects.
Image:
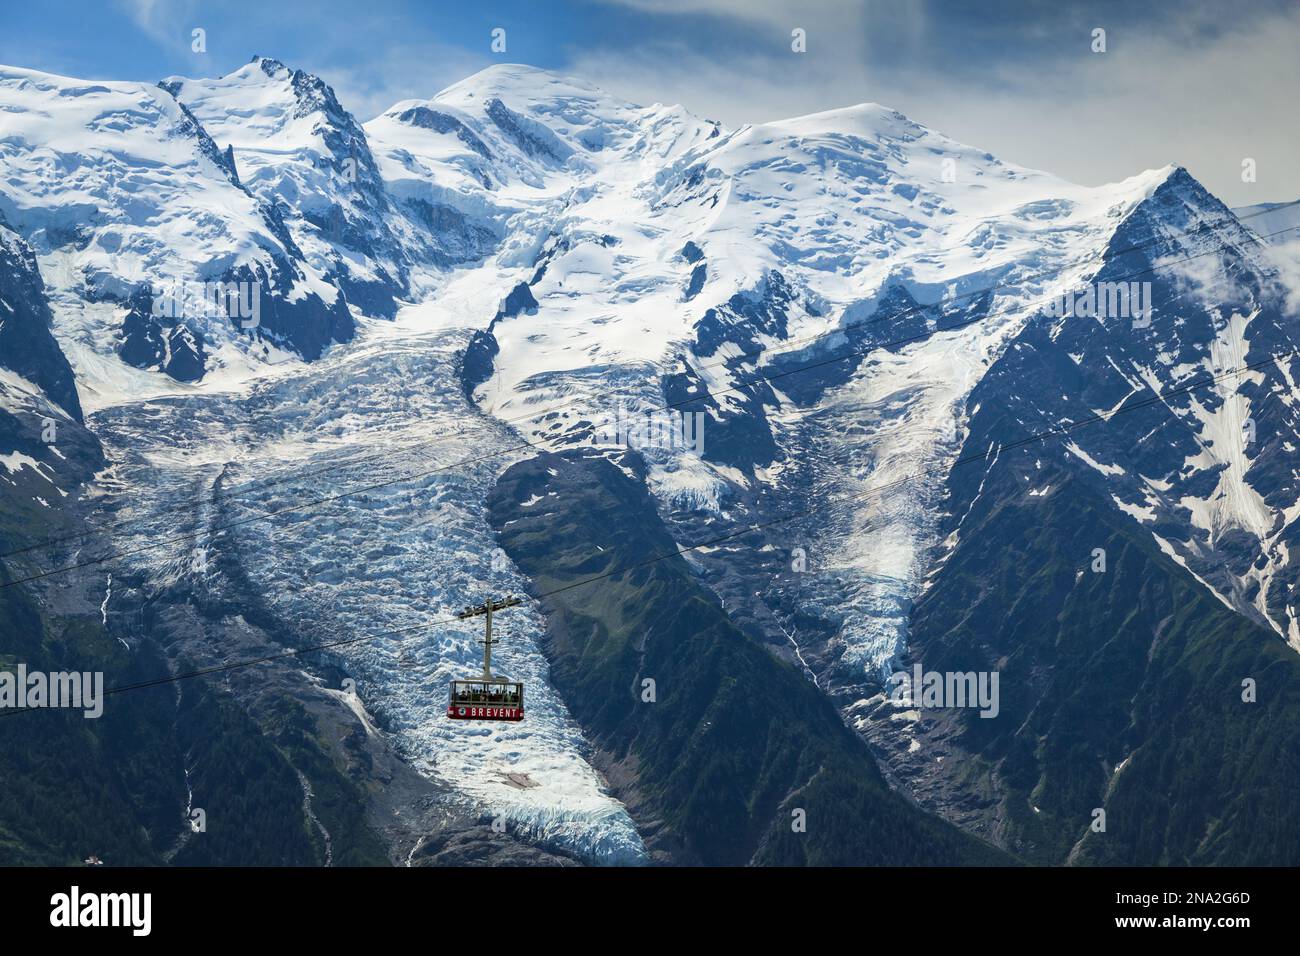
[{"x": 1193, "y": 82}]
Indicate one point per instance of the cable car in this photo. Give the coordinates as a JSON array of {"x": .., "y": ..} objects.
[
  {"x": 486, "y": 697},
  {"x": 486, "y": 700}
]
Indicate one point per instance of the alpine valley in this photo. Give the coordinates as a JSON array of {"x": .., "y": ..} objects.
[{"x": 906, "y": 459}]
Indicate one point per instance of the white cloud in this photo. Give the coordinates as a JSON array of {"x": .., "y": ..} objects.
[
  {"x": 168, "y": 22},
  {"x": 1157, "y": 96},
  {"x": 779, "y": 13},
  {"x": 399, "y": 72}
]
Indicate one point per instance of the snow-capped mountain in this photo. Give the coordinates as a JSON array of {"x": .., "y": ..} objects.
[
  {"x": 852, "y": 306},
  {"x": 750, "y": 254},
  {"x": 1212, "y": 474},
  {"x": 301, "y": 153},
  {"x": 125, "y": 197}
]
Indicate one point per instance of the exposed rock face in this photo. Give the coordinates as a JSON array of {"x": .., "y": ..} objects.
[{"x": 27, "y": 345}]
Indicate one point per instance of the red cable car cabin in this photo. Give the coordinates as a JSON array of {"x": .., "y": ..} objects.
[{"x": 486, "y": 700}]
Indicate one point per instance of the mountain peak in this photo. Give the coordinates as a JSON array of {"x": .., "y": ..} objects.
[
  {"x": 869, "y": 119},
  {"x": 1173, "y": 182},
  {"x": 521, "y": 84},
  {"x": 264, "y": 96},
  {"x": 269, "y": 65},
  {"x": 508, "y": 73}
]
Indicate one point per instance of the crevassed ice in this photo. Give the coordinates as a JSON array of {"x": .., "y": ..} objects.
[{"x": 392, "y": 558}]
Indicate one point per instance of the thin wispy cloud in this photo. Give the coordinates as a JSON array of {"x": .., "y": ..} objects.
[{"x": 164, "y": 21}]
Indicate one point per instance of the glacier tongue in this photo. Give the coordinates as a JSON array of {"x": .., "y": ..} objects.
[{"x": 392, "y": 558}]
